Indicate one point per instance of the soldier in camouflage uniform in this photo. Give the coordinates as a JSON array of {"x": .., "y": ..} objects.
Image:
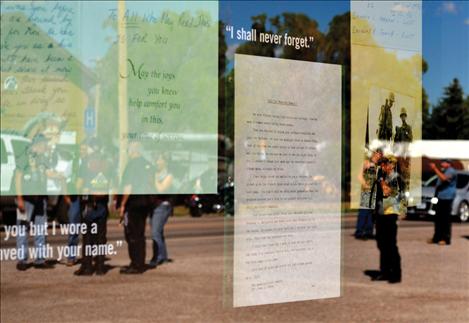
[
  {"x": 404, "y": 132},
  {"x": 384, "y": 131},
  {"x": 402, "y": 139}
]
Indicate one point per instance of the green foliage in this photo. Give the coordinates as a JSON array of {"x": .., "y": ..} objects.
[
  {"x": 187, "y": 53},
  {"x": 331, "y": 47},
  {"x": 449, "y": 118}
]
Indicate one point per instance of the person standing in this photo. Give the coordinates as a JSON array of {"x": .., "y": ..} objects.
[
  {"x": 31, "y": 180},
  {"x": 162, "y": 210},
  {"x": 404, "y": 132},
  {"x": 94, "y": 184},
  {"x": 387, "y": 211},
  {"x": 402, "y": 139},
  {"x": 135, "y": 206},
  {"x": 445, "y": 193},
  {"x": 73, "y": 202},
  {"x": 367, "y": 177},
  {"x": 384, "y": 131}
]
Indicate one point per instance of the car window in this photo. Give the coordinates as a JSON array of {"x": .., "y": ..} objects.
[
  {"x": 3, "y": 152},
  {"x": 462, "y": 180},
  {"x": 20, "y": 148}
]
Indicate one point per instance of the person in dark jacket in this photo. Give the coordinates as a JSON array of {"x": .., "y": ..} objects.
[{"x": 135, "y": 206}]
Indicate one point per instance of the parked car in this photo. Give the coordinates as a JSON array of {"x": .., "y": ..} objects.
[
  {"x": 12, "y": 146},
  {"x": 460, "y": 208},
  {"x": 199, "y": 204}
]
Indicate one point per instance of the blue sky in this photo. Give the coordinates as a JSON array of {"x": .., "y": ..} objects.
[
  {"x": 445, "y": 45},
  {"x": 445, "y": 31},
  {"x": 240, "y": 12}
]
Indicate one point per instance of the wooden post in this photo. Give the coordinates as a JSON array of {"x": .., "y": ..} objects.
[{"x": 122, "y": 87}]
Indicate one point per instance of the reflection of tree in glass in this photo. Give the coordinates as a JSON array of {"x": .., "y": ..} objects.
[{"x": 450, "y": 117}]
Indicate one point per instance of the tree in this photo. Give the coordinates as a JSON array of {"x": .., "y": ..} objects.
[
  {"x": 336, "y": 47},
  {"x": 465, "y": 128},
  {"x": 257, "y": 48},
  {"x": 426, "y": 122},
  {"x": 447, "y": 119},
  {"x": 299, "y": 25}
]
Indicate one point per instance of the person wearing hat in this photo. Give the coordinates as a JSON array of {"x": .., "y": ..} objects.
[
  {"x": 387, "y": 210},
  {"x": 402, "y": 139},
  {"x": 31, "y": 187},
  {"x": 445, "y": 193},
  {"x": 384, "y": 131},
  {"x": 404, "y": 132}
]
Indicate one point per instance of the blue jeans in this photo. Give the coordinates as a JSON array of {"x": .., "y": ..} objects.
[
  {"x": 74, "y": 218},
  {"x": 39, "y": 238},
  {"x": 364, "y": 223},
  {"x": 158, "y": 220}
]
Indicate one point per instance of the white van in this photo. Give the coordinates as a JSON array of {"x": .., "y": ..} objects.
[{"x": 11, "y": 146}]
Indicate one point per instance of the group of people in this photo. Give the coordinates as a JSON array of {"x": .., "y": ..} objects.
[
  {"x": 384, "y": 180},
  {"x": 384, "y": 200},
  {"x": 91, "y": 205},
  {"x": 134, "y": 206}
]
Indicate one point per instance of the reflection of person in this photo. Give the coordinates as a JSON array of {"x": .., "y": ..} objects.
[
  {"x": 94, "y": 182},
  {"x": 402, "y": 138},
  {"x": 384, "y": 131},
  {"x": 445, "y": 192},
  {"x": 73, "y": 202},
  {"x": 163, "y": 209},
  {"x": 134, "y": 207},
  {"x": 73, "y": 214},
  {"x": 387, "y": 210},
  {"x": 404, "y": 132},
  {"x": 31, "y": 180},
  {"x": 367, "y": 176}
]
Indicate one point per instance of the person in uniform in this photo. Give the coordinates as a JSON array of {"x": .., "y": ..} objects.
[
  {"x": 135, "y": 206},
  {"x": 384, "y": 131},
  {"x": 402, "y": 138},
  {"x": 404, "y": 132},
  {"x": 94, "y": 184},
  {"x": 30, "y": 184},
  {"x": 445, "y": 193},
  {"x": 387, "y": 210}
]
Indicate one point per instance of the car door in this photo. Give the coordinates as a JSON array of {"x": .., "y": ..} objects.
[{"x": 7, "y": 166}]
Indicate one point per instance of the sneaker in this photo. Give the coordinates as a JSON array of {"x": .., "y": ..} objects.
[
  {"x": 164, "y": 261},
  {"x": 22, "y": 266}
]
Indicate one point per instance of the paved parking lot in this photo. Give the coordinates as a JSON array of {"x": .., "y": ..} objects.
[{"x": 435, "y": 285}]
